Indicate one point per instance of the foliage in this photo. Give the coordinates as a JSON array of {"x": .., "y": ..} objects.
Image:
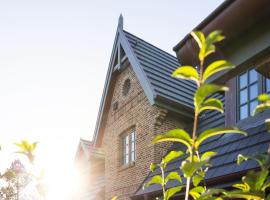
[
  {"x": 163, "y": 179},
  {"x": 195, "y": 166},
  {"x": 27, "y": 149},
  {"x": 12, "y": 181}
]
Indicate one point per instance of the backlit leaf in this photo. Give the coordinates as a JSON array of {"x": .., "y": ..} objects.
[
  {"x": 196, "y": 179},
  {"x": 155, "y": 180},
  {"x": 216, "y": 131},
  {"x": 198, "y": 37},
  {"x": 196, "y": 192},
  {"x": 245, "y": 195},
  {"x": 255, "y": 180},
  {"x": 215, "y": 67},
  {"x": 171, "y": 156},
  {"x": 172, "y": 191},
  {"x": 176, "y": 135},
  {"x": 188, "y": 73},
  {"x": 212, "y": 104},
  {"x": 204, "y": 91},
  {"x": 263, "y": 97},
  {"x": 153, "y": 166},
  {"x": 189, "y": 168},
  {"x": 207, "y": 155},
  {"x": 262, "y": 107},
  {"x": 173, "y": 176}
]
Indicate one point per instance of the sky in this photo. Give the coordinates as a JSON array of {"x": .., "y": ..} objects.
[{"x": 54, "y": 56}]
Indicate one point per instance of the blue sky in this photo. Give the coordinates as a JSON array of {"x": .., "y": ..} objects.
[{"x": 54, "y": 56}]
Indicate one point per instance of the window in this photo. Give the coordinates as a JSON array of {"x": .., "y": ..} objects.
[
  {"x": 126, "y": 87},
  {"x": 129, "y": 148},
  {"x": 268, "y": 86},
  {"x": 248, "y": 90}
]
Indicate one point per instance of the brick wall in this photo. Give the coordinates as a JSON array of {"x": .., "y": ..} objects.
[{"x": 134, "y": 111}]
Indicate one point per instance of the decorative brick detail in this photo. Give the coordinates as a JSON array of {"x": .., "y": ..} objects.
[{"x": 160, "y": 117}]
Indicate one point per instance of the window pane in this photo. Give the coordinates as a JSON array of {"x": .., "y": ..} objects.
[
  {"x": 132, "y": 136},
  {"x": 253, "y": 76},
  {"x": 253, "y": 91},
  {"x": 243, "y": 112},
  {"x": 243, "y": 80},
  {"x": 126, "y": 159},
  {"x": 268, "y": 85},
  {"x": 252, "y": 106},
  {"x": 243, "y": 96},
  {"x": 133, "y": 156}
]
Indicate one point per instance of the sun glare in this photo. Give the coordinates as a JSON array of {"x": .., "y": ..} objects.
[{"x": 62, "y": 184}]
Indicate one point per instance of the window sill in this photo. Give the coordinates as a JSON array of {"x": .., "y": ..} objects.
[
  {"x": 253, "y": 121},
  {"x": 127, "y": 166}
]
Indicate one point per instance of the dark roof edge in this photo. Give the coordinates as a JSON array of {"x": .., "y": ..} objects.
[
  {"x": 149, "y": 92},
  {"x": 208, "y": 19}
]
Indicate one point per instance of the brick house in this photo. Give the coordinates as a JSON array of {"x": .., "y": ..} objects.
[{"x": 141, "y": 100}]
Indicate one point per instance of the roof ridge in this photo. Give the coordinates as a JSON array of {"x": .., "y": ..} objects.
[{"x": 151, "y": 44}]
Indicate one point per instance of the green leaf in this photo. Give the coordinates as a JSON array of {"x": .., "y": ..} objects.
[
  {"x": 260, "y": 158},
  {"x": 114, "y": 198},
  {"x": 216, "y": 131},
  {"x": 261, "y": 107},
  {"x": 171, "y": 156},
  {"x": 196, "y": 192},
  {"x": 243, "y": 187},
  {"x": 214, "y": 37},
  {"x": 210, "y": 194},
  {"x": 266, "y": 185},
  {"x": 27, "y": 149},
  {"x": 241, "y": 158},
  {"x": 196, "y": 179},
  {"x": 172, "y": 191},
  {"x": 198, "y": 37},
  {"x": 212, "y": 104},
  {"x": 263, "y": 97},
  {"x": 173, "y": 176},
  {"x": 176, "y": 135},
  {"x": 188, "y": 73},
  {"x": 207, "y": 155},
  {"x": 189, "y": 168},
  {"x": 155, "y": 180},
  {"x": 204, "y": 91},
  {"x": 255, "y": 180},
  {"x": 244, "y": 195},
  {"x": 215, "y": 67},
  {"x": 153, "y": 166}
]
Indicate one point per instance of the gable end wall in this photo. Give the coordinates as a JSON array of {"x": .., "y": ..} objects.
[{"x": 134, "y": 111}]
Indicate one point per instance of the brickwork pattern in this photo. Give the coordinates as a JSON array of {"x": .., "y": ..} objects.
[{"x": 134, "y": 111}]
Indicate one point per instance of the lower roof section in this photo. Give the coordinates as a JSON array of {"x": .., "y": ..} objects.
[{"x": 225, "y": 169}]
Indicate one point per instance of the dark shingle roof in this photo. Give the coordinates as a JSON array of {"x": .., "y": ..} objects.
[
  {"x": 227, "y": 147},
  {"x": 158, "y": 66}
]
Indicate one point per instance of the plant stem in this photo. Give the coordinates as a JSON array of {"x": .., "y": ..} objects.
[
  {"x": 163, "y": 181},
  {"x": 195, "y": 126}
]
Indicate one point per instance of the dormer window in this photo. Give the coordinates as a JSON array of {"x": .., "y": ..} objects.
[{"x": 126, "y": 87}]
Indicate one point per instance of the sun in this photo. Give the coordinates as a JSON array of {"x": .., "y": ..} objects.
[
  {"x": 60, "y": 178},
  {"x": 62, "y": 184}
]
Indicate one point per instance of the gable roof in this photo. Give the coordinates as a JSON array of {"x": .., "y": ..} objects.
[
  {"x": 153, "y": 68},
  {"x": 84, "y": 145}
]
